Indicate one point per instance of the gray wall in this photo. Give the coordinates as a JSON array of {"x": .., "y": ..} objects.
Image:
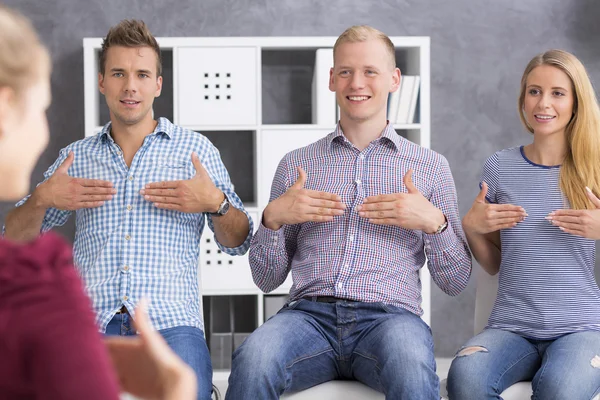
[{"x": 479, "y": 49}]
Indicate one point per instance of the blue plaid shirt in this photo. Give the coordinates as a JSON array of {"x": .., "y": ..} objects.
[
  {"x": 128, "y": 249},
  {"x": 350, "y": 257}
]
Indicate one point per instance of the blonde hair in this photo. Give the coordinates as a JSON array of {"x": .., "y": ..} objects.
[
  {"x": 130, "y": 33},
  {"x": 362, "y": 33},
  {"x": 23, "y": 58},
  {"x": 581, "y": 165}
]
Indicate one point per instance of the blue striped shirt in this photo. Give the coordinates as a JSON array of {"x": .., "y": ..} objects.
[
  {"x": 546, "y": 283},
  {"x": 350, "y": 257},
  {"x": 128, "y": 248}
]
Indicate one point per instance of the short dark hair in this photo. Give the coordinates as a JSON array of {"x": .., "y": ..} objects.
[{"x": 130, "y": 33}]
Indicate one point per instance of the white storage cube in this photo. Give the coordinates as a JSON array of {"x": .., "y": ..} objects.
[
  {"x": 275, "y": 144},
  {"x": 216, "y": 86},
  {"x": 221, "y": 273}
]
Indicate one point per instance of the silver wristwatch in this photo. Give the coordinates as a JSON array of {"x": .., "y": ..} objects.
[
  {"x": 223, "y": 208},
  {"x": 442, "y": 227}
]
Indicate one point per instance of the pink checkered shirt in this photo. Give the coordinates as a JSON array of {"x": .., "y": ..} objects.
[{"x": 351, "y": 258}]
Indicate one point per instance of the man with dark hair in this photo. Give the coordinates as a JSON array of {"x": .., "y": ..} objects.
[{"x": 141, "y": 190}]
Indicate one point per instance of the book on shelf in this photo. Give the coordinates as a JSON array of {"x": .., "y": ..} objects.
[
  {"x": 413, "y": 100},
  {"x": 323, "y": 100},
  {"x": 393, "y": 104},
  {"x": 403, "y": 102}
]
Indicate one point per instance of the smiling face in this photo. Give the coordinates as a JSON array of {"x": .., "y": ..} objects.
[
  {"x": 130, "y": 83},
  {"x": 362, "y": 78},
  {"x": 549, "y": 99}
]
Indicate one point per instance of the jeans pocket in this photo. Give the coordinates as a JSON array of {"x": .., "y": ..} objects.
[
  {"x": 292, "y": 305},
  {"x": 390, "y": 309}
]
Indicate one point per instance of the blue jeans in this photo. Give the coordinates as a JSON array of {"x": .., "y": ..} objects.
[
  {"x": 308, "y": 343},
  {"x": 186, "y": 341},
  {"x": 559, "y": 369}
]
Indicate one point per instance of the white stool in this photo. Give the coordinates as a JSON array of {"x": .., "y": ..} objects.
[{"x": 336, "y": 390}]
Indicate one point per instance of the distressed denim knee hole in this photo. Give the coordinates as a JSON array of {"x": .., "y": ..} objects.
[{"x": 467, "y": 351}]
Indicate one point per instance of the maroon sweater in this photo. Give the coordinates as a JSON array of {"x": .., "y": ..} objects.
[{"x": 50, "y": 347}]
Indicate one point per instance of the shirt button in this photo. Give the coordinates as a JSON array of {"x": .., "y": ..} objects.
[
  {"x": 125, "y": 298},
  {"x": 126, "y": 268},
  {"x": 347, "y": 266},
  {"x": 340, "y": 285},
  {"x": 351, "y": 238},
  {"x": 129, "y": 207},
  {"x": 427, "y": 247},
  {"x": 127, "y": 237},
  {"x": 118, "y": 152},
  {"x": 358, "y": 182},
  {"x": 130, "y": 178},
  {"x": 362, "y": 156}
]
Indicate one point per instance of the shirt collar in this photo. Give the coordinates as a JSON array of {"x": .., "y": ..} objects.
[
  {"x": 388, "y": 134},
  {"x": 164, "y": 126}
]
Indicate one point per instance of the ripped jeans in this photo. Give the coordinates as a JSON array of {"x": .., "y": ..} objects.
[{"x": 563, "y": 368}]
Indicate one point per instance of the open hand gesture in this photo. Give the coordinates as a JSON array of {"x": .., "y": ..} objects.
[
  {"x": 196, "y": 195},
  {"x": 585, "y": 223},
  {"x": 64, "y": 192},
  {"x": 407, "y": 210},
  {"x": 484, "y": 217},
  {"x": 298, "y": 205}
]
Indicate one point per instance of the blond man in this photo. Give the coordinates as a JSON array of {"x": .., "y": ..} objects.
[{"x": 353, "y": 217}]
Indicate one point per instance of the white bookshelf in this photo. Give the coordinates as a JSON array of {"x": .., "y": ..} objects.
[{"x": 248, "y": 115}]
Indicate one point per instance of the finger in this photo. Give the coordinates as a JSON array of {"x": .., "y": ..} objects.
[
  {"x": 327, "y": 204},
  {"x": 570, "y": 226},
  {"x": 160, "y": 192},
  {"x": 315, "y": 194},
  {"x": 564, "y": 218},
  {"x": 95, "y": 197},
  {"x": 169, "y": 206},
  {"x": 498, "y": 223},
  {"x": 142, "y": 322},
  {"x": 375, "y": 214},
  {"x": 482, "y": 193},
  {"x": 323, "y": 211},
  {"x": 572, "y": 213},
  {"x": 572, "y": 232},
  {"x": 65, "y": 165},
  {"x": 118, "y": 344},
  {"x": 409, "y": 183},
  {"x": 381, "y": 198},
  {"x": 155, "y": 346},
  {"x": 98, "y": 190},
  {"x": 507, "y": 214},
  {"x": 377, "y": 206},
  {"x": 89, "y": 204},
  {"x": 382, "y": 221},
  {"x": 507, "y": 207},
  {"x": 200, "y": 170},
  {"x": 92, "y": 183},
  {"x": 595, "y": 201},
  {"x": 163, "y": 200},
  {"x": 163, "y": 185},
  {"x": 301, "y": 181},
  {"x": 507, "y": 225},
  {"x": 320, "y": 218}
]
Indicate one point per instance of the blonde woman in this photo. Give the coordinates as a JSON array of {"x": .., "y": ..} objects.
[
  {"x": 50, "y": 347},
  {"x": 535, "y": 222}
]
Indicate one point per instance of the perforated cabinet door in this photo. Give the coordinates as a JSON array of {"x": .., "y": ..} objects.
[{"x": 216, "y": 86}]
